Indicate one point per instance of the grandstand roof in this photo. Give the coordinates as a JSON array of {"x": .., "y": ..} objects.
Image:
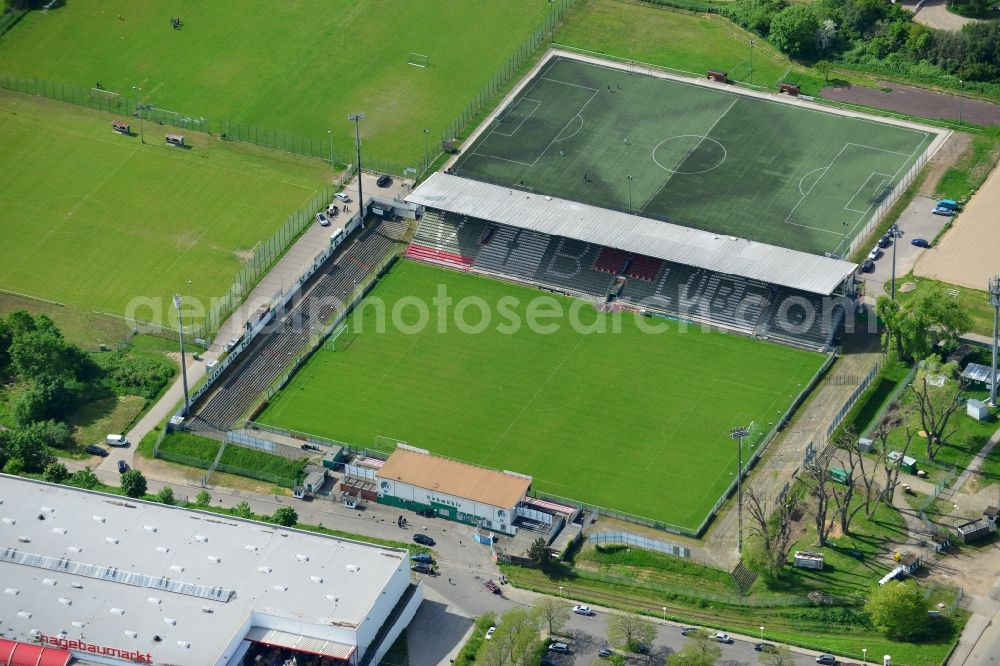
[
  {"x": 479, "y": 484},
  {"x": 632, "y": 233},
  {"x": 122, "y": 571}
]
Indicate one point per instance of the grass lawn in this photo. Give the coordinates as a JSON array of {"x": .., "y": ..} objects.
[
  {"x": 98, "y": 221},
  {"x": 81, "y": 327},
  {"x": 702, "y": 157},
  {"x": 93, "y": 422},
  {"x": 964, "y": 178},
  {"x": 238, "y": 458},
  {"x": 581, "y": 412},
  {"x": 191, "y": 446},
  {"x": 300, "y": 67},
  {"x": 671, "y": 38},
  {"x": 975, "y": 302}
]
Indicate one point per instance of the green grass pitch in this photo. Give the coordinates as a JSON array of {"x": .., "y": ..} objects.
[
  {"x": 701, "y": 157},
  {"x": 94, "y": 219},
  {"x": 300, "y": 67},
  {"x": 631, "y": 420}
]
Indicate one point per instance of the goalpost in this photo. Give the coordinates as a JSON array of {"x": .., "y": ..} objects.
[
  {"x": 105, "y": 99},
  {"x": 418, "y": 60}
]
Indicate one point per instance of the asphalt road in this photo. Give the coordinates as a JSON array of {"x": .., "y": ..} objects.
[{"x": 916, "y": 221}]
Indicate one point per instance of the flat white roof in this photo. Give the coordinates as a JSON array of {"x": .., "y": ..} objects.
[
  {"x": 117, "y": 572},
  {"x": 632, "y": 233}
]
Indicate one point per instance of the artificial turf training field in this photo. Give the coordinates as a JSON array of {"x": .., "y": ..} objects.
[
  {"x": 698, "y": 156},
  {"x": 631, "y": 421},
  {"x": 94, "y": 219},
  {"x": 300, "y": 67}
]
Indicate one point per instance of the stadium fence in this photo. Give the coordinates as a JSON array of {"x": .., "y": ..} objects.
[
  {"x": 856, "y": 394},
  {"x": 885, "y": 205},
  {"x": 507, "y": 72},
  {"x": 636, "y": 541}
]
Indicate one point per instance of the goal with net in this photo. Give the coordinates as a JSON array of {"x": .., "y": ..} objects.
[{"x": 418, "y": 60}]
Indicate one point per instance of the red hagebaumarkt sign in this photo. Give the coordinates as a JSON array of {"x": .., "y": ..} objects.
[{"x": 135, "y": 656}]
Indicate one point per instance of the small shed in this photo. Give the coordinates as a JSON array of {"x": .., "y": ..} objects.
[
  {"x": 977, "y": 409},
  {"x": 176, "y": 140},
  {"x": 121, "y": 127},
  {"x": 910, "y": 563},
  {"x": 716, "y": 75},
  {"x": 941, "y": 542},
  {"x": 908, "y": 464},
  {"x": 974, "y": 530},
  {"x": 805, "y": 559},
  {"x": 978, "y": 373},
  {"x": 789, "y": 88},
  {"x": 315, "y": 478},
  {"x": 990, "y": 514},
  {"x": 866, "y": 445},
  {"x": 333, "y": 457},
  {"x": 839, "y": 475}
]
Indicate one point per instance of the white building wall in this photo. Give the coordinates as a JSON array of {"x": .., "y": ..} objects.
[
  {"x": 494, "y": 515},
  {"x": 379, "y": 612},
  {"x": 404, "y": 619}
]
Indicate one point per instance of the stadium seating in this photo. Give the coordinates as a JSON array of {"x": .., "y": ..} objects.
[
  {"x": 566, "y": 265},
  {"x": 441, "y": 239},
  {"x": 610, "y": 260},
  {"x": 803, "y": 319},
  {"x": 511, "y": 251},
  {"x": 269, "y": 354},
  {"x": 644, "y": 268}
]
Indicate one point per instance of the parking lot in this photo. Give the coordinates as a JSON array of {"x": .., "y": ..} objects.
[{"x": 916, "y": 221}]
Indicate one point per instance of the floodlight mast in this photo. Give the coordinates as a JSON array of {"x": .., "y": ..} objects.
[
  {"x": 178, "y": 301},
  {"x": 994, "y": 289},
  {"x": 357, "y": 118},
  {"x": 738, "y": 434}
]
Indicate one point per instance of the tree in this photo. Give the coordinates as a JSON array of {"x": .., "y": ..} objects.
[
  {"x": 770, "y": 532},
  {"x": 30, "y": 445},
  {"x": 823, "y": 67},
  {"x": 553, "y": 613},
  {"x": 894, "y": 418},
  {"x": 937, "y": 403},
  {"x": 165, "y": 496},
  {"x": 203, "y": 499},
  {"x": 826, "y": 37},
  {"x": 897, "y": 608},
  {"x": 794, "y": 30},
  {"x": 85, "y": 478},
  {"x": 55, "y": 472},
  {"x": 819, "y": 473},
  {"x": 285, "y": 516},
  {"x": 630, "y": 631},
  {"x": 133, "y": 483},
  {"x": 699, "y": 650},
  {"x": 515, "y": 639},
  {"x": 926, "y": 318},
  {"x": 843, "y": 493},
  {"x": 242, "y": 510},
  {"x": 779, "y": 656},
  {"x": 538, "y": 552}
]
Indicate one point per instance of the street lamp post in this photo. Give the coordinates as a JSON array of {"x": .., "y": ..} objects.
[
  {"x": 138, "y": 110},
  {"x": 864, "y": 655},
  {"x": 629, "y": 194},
  {"x": 762, "y": 634},
  {"x": 357, "y": 118},
  {"x": 426, "y": 165},
  {"x": 664, "y": 613},
  {"x": 560, "y": 590},
  {"x": 961, "y": 89},
  {"x": 896, "y": 234},
  {"x": 738, "y": 434},
  {"x": 330, "y": 132},
  {"x": 752, "y": 44},
  {"x": 994, "y": 290},
  {"x": 178, "y": 300}
]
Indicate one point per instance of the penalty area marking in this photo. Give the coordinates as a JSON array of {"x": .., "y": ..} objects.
[
  {"x": 559, "y": 136},
  {"x": 537, "y": 106}
]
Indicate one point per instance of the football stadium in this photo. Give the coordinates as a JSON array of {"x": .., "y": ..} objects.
[{"x": 592, "y": 308}]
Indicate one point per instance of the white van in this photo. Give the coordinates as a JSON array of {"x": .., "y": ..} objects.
[{"x": 116, "y": 440}]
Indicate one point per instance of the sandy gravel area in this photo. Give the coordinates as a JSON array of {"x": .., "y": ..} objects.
[
  {"x": 969, "y": 254},
  {"x": 917, "y": 102}
]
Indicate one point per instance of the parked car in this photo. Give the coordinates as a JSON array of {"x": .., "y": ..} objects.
[
  {"x": 875, "y": 253},
  {"x": 920, "y": 242},
  {"x": 94, "y": 449},
  {"x": 606, "y": 652},
  {"x": 561, "y": 648},
  {"x": 764, "y": 647},
  {"x": 342, "y": 197},
  {"x": 122, "y": 467},
  {"x": 687, "y": 631},
  {"x": 583, "y": 610},
  {"x": 422, "y": 568},
  {"x": 947, "y": 212},
  {"x": 423, "y": 558},
  {"x": 885, "y": 241},
  {"x": 723, "y": 637},
  {"x": 827, "y": 659},
  {"x": 323, "y": 220},
  {"x": 384, "y": 180},
  {"x": 423, "y": 539},
  {"x": 868, "y": 266},
  {"x": 489, "y": 633},
  {"x": 492, "y": 586},
  {"x": 548, "y": 661}
]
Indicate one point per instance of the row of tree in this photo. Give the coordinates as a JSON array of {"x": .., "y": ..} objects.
[{"x": 873, "y": 33}]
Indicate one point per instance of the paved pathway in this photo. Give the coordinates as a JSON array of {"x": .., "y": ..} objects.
[
  {"x": 975, "y": 463},
  {"x": 935, "y": 14}
]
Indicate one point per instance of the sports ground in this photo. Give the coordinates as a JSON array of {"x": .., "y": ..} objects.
[
  {"x": 94, "y": 219},
  {"x": 698, "y": 156},
  {"x": 632, "y": 421},
  {"x": 300, "y": 67}
]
